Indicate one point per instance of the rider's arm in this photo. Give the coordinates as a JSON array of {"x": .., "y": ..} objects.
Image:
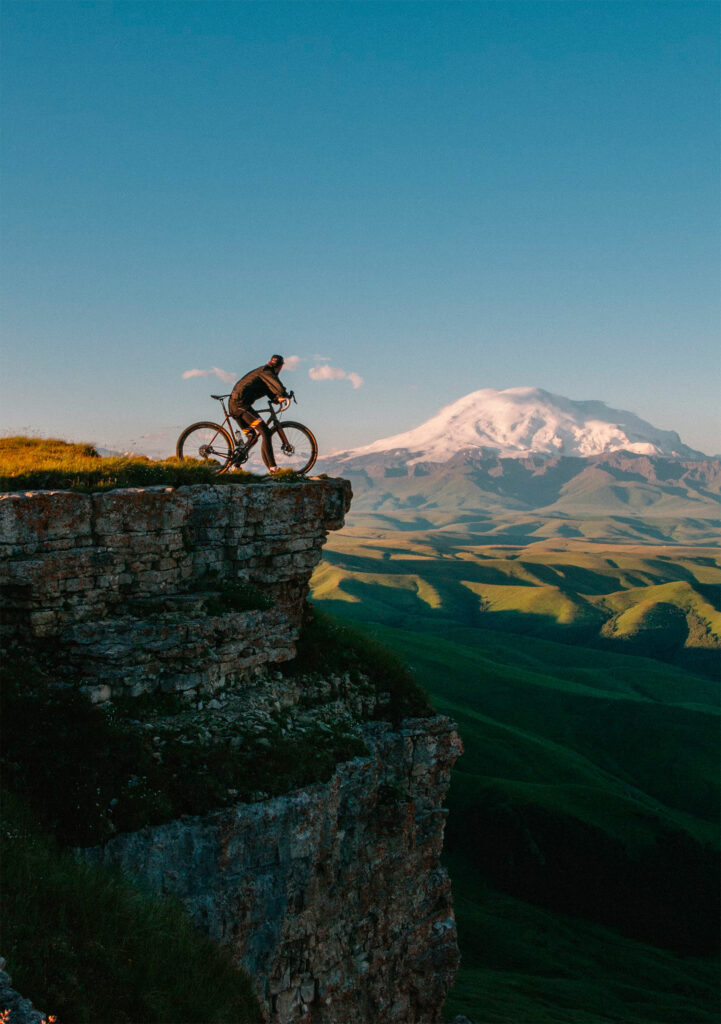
[{"x": 274, "y": 386}]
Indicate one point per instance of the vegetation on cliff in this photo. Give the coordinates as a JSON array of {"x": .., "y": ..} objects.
[
  {"x": 141, "y": 761},
  {"x": 329, "y": 645},
  {"x": 32, "y": 464},
  {"x": 87, "y": 945},
  {"x": 78, "y": 939},
  {"x": 91, "y": 773}
]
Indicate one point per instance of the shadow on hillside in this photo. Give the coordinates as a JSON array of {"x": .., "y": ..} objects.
[{"x": 664, "y": 892}]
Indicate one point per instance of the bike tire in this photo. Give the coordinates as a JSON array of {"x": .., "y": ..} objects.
[
  {"x": 207, "y": 442},
  {"x": 302, "y": 440},
  {"x": 301, "y": 457}
]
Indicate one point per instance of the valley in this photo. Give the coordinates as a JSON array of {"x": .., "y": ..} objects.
[
  {"x": 660, "y": 601},
  {"x": 581, "y": 665}
]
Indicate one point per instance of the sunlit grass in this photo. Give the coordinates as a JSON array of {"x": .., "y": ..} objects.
[{"x": 31, "y": 463}]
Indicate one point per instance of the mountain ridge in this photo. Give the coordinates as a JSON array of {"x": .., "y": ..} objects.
[
  {"x": 631, "y": 488},
  {"x": 522, "y": 421}
]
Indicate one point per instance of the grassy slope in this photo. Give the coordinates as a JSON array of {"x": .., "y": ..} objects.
[
  {"x": 653, "y": 600},
  {"x": 525, "y": 965},
  {"x": 572, "y": 742},
  {"x": 85, "y": 944},
  {"x": 614, "y": 754}
]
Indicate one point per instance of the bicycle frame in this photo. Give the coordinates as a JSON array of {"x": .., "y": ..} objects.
[{"x": 231, "y": 425}]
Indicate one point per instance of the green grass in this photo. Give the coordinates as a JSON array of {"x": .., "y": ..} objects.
[
  {"x": 655, "y": 601},
  {"x": 589, "y": 788},
  {"x": 30, "y": 464},
  {"x": 84, "y": 944},
  {"x": 523, "y": 964}
]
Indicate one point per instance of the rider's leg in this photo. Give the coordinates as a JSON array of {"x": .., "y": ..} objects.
[
  {"x": 246, "y": 418},
  {"x": 266, "y": 448},
  {"x": 250, "y": 419}
]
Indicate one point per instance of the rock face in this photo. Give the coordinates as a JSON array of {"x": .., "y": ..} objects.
[
  {"x": 332, "y": 897},
  {"x": 21, "y": 1010},
  {"x": 122, "y": 581}
]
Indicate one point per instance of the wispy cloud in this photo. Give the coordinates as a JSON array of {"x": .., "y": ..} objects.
[
  {"x": 213, "y": 371},
  {"x": 327, "y": 372},
  {"x": 292, "y": 362}
]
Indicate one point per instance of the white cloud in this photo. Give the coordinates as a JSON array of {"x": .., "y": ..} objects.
[
  {"x": 213, "y": 371},
  {"x": 327, "y": 372},
  {"x": 292, "y": 363}
]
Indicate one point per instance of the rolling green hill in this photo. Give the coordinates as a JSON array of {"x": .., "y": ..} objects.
[
  {"x": 584, "y": 815},
  {"x": 660, "y": 601}
]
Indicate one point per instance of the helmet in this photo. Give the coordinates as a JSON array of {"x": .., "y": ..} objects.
[{"x": 276, "y": 362}]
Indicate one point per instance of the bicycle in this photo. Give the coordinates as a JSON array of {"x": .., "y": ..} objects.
[{"x": 227, "y": 448}]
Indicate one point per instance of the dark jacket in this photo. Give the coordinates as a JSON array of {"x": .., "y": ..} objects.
[{"x": 259, "y": 383}]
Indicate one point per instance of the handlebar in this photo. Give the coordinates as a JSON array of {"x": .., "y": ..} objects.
[{"x": 284, "y": 403}]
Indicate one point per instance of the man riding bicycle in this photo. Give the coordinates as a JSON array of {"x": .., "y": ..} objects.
[{"x": 259, "y": 383}]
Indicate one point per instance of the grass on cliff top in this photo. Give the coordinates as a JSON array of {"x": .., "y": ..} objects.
[
  {"x": 32, "y": 464},
  {"x": 84, "y": 943}
]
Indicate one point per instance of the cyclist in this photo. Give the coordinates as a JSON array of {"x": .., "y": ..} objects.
[{"x": 259, "y": 383}]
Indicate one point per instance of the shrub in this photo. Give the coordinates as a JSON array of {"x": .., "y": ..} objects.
[
  {"x": 329, "y": 646},
  {"x": 90, "y": 773},
  {"x": 87, "y": 945}
]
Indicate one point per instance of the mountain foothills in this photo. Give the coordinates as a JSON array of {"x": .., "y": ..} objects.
[{"x": 551, "y": 571}]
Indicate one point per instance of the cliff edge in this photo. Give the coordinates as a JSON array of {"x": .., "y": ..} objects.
[{"x": 186, "y": 605}]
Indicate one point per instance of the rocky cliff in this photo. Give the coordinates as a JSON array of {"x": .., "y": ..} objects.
[
  {"x": 332, "y": 896},
  {"x": 143, "y": 589}
]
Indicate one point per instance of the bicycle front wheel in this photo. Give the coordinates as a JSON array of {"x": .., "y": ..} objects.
[
  {"x": 208, "y": 443},
  {"x": 294, "y": 447}
]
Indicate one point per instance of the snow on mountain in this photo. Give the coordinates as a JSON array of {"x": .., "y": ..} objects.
[{"x": 521, "y": 421}]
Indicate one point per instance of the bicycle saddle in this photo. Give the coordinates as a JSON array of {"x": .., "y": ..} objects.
[{"x": 220, "y": 396}]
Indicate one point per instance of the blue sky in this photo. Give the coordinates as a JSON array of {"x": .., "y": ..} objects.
[{"x": 433, "y": 197}]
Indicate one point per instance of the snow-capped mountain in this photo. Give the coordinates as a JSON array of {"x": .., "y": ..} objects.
[{"x": 522, "y": 421}]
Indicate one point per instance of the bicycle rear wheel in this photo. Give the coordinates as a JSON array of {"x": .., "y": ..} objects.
[
  {"x": 208, "y": 443},
  {"x": 294, "y": 448}
]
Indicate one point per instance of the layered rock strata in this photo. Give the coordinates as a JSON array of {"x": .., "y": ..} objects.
[
  {"x": 332, "y": 897},
  {"x": 129, "y": 586}
]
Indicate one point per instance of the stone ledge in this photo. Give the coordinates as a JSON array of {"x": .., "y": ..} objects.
[
  {"x": 332, "y": 897},
  {"x": 71, "y": 564}
]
